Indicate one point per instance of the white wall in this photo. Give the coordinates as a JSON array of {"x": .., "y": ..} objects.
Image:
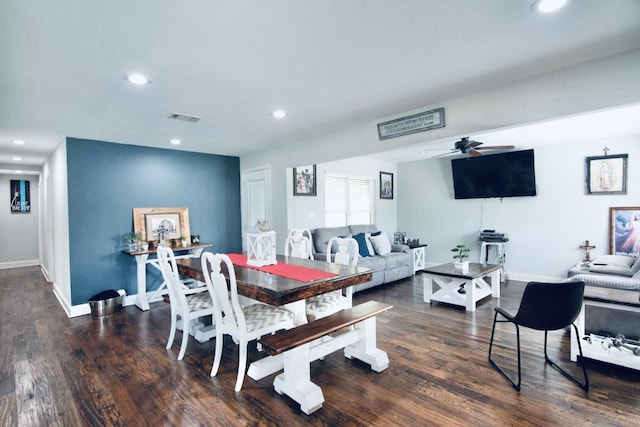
[
  {"x": 308, "y": 211},
  {"x": 545, "y": 231},
  {"x": 59, "y": 223},
  {"x": 19, "y": 231},
  {"x": 596, "y": 85}
]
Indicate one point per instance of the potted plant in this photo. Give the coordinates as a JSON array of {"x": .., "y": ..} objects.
[
  {"x": 461, "y": 252},
  {"x": 133, "y": 240},
  {"x": 184, "y": 241}
]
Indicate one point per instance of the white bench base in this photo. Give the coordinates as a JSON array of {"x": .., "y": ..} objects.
[{"x": 295, "y": 381}]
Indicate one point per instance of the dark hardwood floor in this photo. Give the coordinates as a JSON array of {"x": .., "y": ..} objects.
[{"x": 116, "y": 371}]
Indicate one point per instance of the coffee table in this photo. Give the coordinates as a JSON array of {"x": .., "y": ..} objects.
[{"x": 450, "y": 281}]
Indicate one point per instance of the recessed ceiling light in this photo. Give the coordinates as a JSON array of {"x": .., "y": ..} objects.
[
  {"x": 547, "y": 6},
  {"x": 175, "y": 141},
  {"x": 138, "y": 79},
  {"x": 18, "y": 142},
  {"x": 279, "y": 114},
  {"x": 16, "y": 158}
]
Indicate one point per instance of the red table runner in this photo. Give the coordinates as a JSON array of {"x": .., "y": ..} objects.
[{"x": 295, "y": 272}]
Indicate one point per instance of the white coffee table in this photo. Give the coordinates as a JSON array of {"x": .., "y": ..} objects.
[{"x": 450, "y": 281}]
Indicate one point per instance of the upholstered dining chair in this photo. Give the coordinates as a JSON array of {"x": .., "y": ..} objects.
[
  {"x": 544, "y": 307},
  {"x": 298, "y": 244},
  {"x": 187, "y": 302},
  {"x": 243, "y": 324},
  {"x": 346, "y": 252}
]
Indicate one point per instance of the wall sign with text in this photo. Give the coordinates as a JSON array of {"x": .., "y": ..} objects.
[{"x": 20, "y": 196}]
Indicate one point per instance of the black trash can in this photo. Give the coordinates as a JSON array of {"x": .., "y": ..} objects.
[{"x": 105, "y": 304}]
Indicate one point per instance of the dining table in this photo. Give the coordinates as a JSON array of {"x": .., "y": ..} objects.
[{"x": 275, "y": 285}]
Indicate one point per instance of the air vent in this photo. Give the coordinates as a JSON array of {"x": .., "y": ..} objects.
[{"x": 184, "y": 117}]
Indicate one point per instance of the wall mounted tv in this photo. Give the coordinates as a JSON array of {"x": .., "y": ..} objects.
[{"x": 510, "y": 174}]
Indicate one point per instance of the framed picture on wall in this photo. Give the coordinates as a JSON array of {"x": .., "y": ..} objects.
[
  {"x": 20, "y": 196},
  {"x": 607, "y": 174},
  {"x": 386, "y": 185},
  {"x": 304, "y": 180},
  {"x": 624, "y": 229},
  {"x": 146, "y": 221}
]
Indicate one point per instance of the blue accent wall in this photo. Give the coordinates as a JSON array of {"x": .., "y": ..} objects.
[{"x": 107, "y": 180}]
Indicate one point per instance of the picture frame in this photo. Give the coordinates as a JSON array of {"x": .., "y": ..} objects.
[
  {"x": 624, "y": 231},
  {"x": 386, "y": 185},
  {"x": 304, "y": 180},
  {"x": 607, "y": 174},
  {"x": 147, "y": 220},
  {"x": 20, "y": 196}
]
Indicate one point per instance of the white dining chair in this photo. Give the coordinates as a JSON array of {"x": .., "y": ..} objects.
[
  {"x": 298, "y": 245},
  {"x": 187, "y": 302},
  {"x": 306, "y": 233},
  {"x": 243, "y": 324},
  {"x": 346, "y": 252}
]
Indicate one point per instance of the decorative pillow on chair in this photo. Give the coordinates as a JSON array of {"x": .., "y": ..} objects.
[{"x": 381, "y": 244}]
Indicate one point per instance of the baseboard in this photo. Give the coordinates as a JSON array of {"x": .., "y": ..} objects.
[{"x": 15, "y": 264}]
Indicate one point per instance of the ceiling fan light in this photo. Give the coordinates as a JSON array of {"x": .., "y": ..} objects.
[
  {"x": 548, "y": 6},
  {"x": 138, "y": 79}
]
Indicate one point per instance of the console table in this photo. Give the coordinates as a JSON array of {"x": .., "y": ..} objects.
[
  {"x": 143, "y": 260},
  {"x": 451, "y": 279}
]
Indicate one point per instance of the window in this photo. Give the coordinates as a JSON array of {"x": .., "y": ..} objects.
[{"x": 348, "y": 200}]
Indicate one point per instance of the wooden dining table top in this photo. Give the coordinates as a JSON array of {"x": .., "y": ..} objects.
[{"x": 276, "y": 290}]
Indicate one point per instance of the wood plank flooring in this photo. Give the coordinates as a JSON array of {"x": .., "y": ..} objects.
[{"x": 56, "y": 371}]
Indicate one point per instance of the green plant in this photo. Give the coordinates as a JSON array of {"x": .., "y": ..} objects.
[
  {"x": 132, "y": 237},
  {"x": 462, "y": 252}
]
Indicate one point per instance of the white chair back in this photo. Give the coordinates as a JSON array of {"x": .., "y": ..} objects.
[
  {"x": 298, "y": 246},
  {"x": 306, "y": 233},
  {"x": 347, "y": 250}
]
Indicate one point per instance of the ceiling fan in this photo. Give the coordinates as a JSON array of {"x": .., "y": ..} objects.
[{"x": 471, "y": 147}]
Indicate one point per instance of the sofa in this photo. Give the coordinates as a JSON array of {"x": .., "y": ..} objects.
[
  {"x": 609, "y": 271},
  {"x": 389, "y": 262}
]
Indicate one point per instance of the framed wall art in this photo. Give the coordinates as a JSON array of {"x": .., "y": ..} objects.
[
  {"x": 20, "y": 196},
  {"x": 386, "y": 185},
  {"x": 607, "y": 174},
  {"x": 304, "y": 180},
  {"x": 146, "y": 221},
  {"x": 624, "y": 229}
]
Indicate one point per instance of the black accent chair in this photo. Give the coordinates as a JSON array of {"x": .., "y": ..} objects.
[{"x": 545, "y": 307}]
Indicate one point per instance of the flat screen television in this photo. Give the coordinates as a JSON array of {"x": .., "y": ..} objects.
[{"x": 510, "y": 174}]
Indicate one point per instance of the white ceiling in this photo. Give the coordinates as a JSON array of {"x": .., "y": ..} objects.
[{"x": 329, "y": 63}]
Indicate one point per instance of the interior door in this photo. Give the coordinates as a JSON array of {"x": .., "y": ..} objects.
[{"x": 256, "y": 198}]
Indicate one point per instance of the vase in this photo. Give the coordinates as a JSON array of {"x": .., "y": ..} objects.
[{"x": 461, "y": 265}]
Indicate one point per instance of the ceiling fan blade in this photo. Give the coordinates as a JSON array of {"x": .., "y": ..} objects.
[
  {"x": 474, "y": 144},
  {"x": 474, "y": 153},
  {"x": 443, "y": 154},
  {"x": 496, "y": 147}
]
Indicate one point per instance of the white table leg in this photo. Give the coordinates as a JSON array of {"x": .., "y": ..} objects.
[
  {"x": 495, "y": 283},
  {"x": 427, "y": 283},
  {"x": 141, "y": 278},
  {"x": 366, "y": 349},
  {"x": 470, "y": 291}
]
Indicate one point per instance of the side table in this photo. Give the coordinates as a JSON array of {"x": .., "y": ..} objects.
[
  {"x": 450, "y": 281},
  {"x": 419, "y": 258}
]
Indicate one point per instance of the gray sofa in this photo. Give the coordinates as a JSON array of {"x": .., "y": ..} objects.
[
  {"x": 389, "y": 267},
  {"x": 609, "y": 271}
]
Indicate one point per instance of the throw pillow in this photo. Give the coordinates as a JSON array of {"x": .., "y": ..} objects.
[
  {"x": 362, "y": 244},
  {"x": 612, "y": 269},
  {"x": 368, "y": 240},
  {"x": 618, "y": 260},
  {"x": 636, "y": 266},
  {"x": 381, "y": 244}
]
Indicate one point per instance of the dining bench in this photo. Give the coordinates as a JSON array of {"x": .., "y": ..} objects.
[{"x": 311, "y": 341}]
